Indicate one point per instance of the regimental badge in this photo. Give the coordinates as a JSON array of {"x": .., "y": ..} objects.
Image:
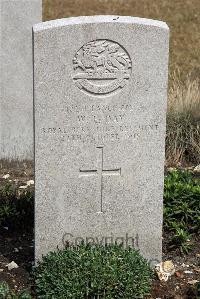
[{"x": 101, "y": 67}]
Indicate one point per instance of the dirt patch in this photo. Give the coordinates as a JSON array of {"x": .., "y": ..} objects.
[
  {"x": 17, "y": 247},
  {"x": 187, "y": 267},
  {"x": 22, "y": 171}
]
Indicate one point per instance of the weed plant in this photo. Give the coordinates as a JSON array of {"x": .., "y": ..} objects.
[
  {"x": 7, "y": 293},
  {"x": 181, "y": 208},
  {"x": 16, "y": 206}
]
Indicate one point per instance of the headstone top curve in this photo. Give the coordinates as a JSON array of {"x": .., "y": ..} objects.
[
  {"x": 100, "y": 99},
  {"x": 98, "y": 19}
]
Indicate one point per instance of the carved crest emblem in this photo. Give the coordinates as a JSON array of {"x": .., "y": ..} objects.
[{"x": 101, "y": 67}]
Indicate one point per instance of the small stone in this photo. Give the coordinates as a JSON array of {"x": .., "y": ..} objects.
[
  {"x": 192, "y": 282},
  {"x": 29, "y": 183},
  {"x": 164, "y": 270},
  {"x": 163, "y": 276},
  {"x": 12, "y": 265},
  {"x": 197, "y": 169},
  {"x": 1, "y": 270},
  {"x": 16, "y": 250},
  {"x": 169, "y": 267},
  {"x": 23, "y": 187},
  {"x": 6, "y": 176},
  {"x": 171, "y": 169},
  {"x": 188, "y": 272}
]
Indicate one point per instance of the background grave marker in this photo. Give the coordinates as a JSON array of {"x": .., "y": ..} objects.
[{"x": 16, "y": 95}]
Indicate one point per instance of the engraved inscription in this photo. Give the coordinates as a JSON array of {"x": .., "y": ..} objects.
[
  {"x": 100, "y": 171},
  {"x": 102, "y": 135},
  {"x": 101, "y": 67},
  {"x": 100, "y": 124}
]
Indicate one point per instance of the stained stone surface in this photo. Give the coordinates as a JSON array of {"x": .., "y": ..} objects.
[
  {"x": 16, "y": 96},
  {"x": 100, "y": 106}
]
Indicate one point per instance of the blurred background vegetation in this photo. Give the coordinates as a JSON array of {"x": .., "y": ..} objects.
[{"x": 183, "y": 18}]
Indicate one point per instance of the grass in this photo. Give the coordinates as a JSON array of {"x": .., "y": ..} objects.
[
  {"x": 181, "y": 16},
  {"x": 183, "y": 122}
]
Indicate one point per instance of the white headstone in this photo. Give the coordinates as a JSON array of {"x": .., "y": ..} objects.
[
  {"x": 100, "y": 106},
  {"x": 16, "y": 95}
]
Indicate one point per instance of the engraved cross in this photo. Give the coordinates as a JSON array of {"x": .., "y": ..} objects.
[{"x": 100, "y": 172}]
